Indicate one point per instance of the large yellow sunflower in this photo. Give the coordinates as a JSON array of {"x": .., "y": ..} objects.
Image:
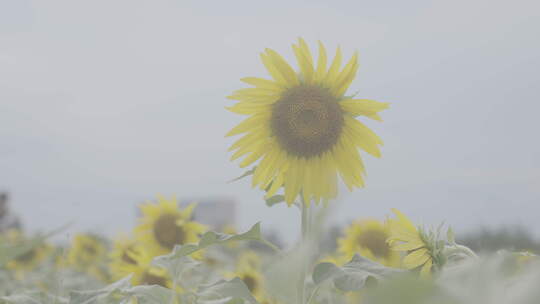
[
  {"x": 368, "y": 238},
  {"x": 164, "y": 225},
  {"x": 302, "y": 127}
]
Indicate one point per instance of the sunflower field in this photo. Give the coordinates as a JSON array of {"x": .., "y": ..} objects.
[{"x": 301, "y": 136}]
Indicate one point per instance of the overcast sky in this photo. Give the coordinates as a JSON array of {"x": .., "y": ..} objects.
[{"x": 103, "y": 104}]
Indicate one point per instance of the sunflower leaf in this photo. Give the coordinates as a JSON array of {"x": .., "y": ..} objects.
[
  {"x": 233, "y": 291},
  {"x": 276, "y": 199},
  {"x": 176, "y": 264},
  {"x": 325, "y": 271},
  {"x": 354, "y": 275},
  {"x": 211, "y": 238},
  {"x": 33, "y": 297},
  {"x": 214, "y": 238},
  {"x": 153, "y": 294},
  {"x": 451, "y": 236},
  {"x": 109, "y": 294}
]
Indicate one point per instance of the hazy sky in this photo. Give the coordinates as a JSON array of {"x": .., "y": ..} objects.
[{"x": 103, "y": 104}]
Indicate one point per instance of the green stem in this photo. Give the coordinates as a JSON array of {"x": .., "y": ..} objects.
[
  {"x": 303, "y": 242},
  {"x": 272, "y": 246}
]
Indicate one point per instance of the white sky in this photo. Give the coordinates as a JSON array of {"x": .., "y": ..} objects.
[{"x": 103, "y": 104}]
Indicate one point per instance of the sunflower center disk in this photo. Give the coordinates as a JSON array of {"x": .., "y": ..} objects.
[
  {"x": 150, "y": 279},
  {"x": 250, "y": 282},
  {"x": 27, "y": 257},
  {"x": 167, "y": 232},
  {"x": 307, "y": 121},
  {"x": 126, "y": 256},
  {"x": 375, "y": 241}
]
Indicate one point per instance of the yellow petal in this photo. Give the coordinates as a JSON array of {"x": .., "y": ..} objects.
[
  {"x": 305, "y": 50},
  {"x": 425, "y": 272},
  {"x": 273, "y": 70},
  {"x": 257, "y": 153},
  {"x": 334, "y": 69},
  {"x": 255, "y": 92},
  {"x": 404, "y": 221},
  {"x": 249, "y": 123},
  {"x": 263, "y": 83},
  {"x": 283, "y": 67},
  {"x": 293, "y": 180},
  {"x": 346, "y": 75},
  {"x": 305, "y": 67},
  {"x": 254, "y": 135},
  {"x": 321, "y": 64},
  {"x": 407, "y": 246},
  {"x": 249, "y": 108},
  {"x": 362, "y": 130},
  {"x": 265, "y": 169},
  {"x": 404, "y": 235},
  {"x": 416, "y": 258},
  {"x": 365, "y": 107},
  {"x": 276, "y": 184},
  {"x": 188, "y": 211},
  {"x": 361, "y": 137}
]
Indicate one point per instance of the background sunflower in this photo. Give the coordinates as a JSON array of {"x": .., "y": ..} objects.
[
  {"x": 368, "y": 237},
  {"x": 164, "y": 225}
]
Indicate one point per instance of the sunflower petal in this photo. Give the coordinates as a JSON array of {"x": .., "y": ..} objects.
[
  {"x": 346, "y": 76},
  {"x": 262, "y": 83},
  {"x": 321, "y": 64},
  {"x": 283, "y": 67},
  {"x": 416, "y": 258},
  {"x": 404, "y": 221},
  {"x": 249, "y": 123},
  {"x": 425, "y": 272},
  {"x": 334, "y": 69},
  {"x": 365, "y": 107},
  {"x": 278, "y": 77}
]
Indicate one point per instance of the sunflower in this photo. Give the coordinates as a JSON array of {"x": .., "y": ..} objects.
[
  {"x": 88, "y": 254},
  {"x": 247, "y": 269},
  {"x": 164, "y": 225},
  {"x": 86, "y": 250},
  {"x": 124, "y": 254},
  {"x": 302, "y": 127},
  {"x": 368, "y": 238},
  {"x": 249, "y": 259},
  {"x": 29, "y": 260},
  {"x": 406, "y": 237},
  {"x": 139, "y": 265}
]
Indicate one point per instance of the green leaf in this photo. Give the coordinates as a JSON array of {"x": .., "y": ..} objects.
[
  {"x": 176, "y": 264},
  {"x": 325, "y": 271},
  {"x": 276, "y": 199},
  {"x": 247, "y": 173},
  {"x": 233, "y": 291},
  {"x": 33, "y": 297},
  {"x": 353, "y": 275},
  {"x": 211, "y": 238},
  {"x": 451, "y": 236},
  {"x": 113, "y": 293},
  {"x": 153, "y": 294}
]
